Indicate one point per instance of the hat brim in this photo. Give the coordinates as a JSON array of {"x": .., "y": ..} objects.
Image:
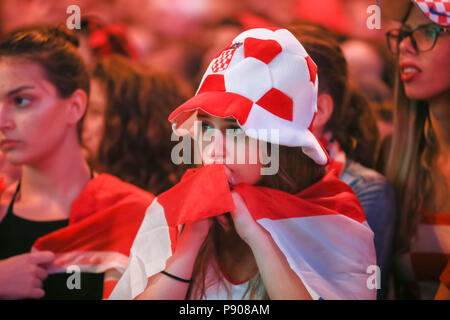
[
  {"x": 227, "y": 104},
  {"x": 216, "y": 103}
]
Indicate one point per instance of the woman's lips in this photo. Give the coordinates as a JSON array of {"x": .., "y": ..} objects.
[
  {"x": 8, "y": 144},
  {"x": 409, "y": 71}
]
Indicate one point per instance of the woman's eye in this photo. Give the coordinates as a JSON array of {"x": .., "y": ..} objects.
[
  {"x": 236, "y": 130},
  {"x": 430, "y": 33},
  {"x": 206, "y": 126},
  {"x": 21, "y": 101}
]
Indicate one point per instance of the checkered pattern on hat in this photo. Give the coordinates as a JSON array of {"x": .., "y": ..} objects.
[{"x": 438, "y": 11}]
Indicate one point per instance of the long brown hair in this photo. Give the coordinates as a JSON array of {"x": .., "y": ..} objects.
[
  {"x": 136, "y": 143},
  {"x": 413, "y": 151},
  {"x": 296, "y": 172}
]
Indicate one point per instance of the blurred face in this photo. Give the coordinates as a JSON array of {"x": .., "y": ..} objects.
[
  {"x": 217, "y": 147},
  {"x": 424, "y": 74},
  {"x": 33, "y": 118},
  {"x": 362, "y": 59},
  {"x": 94, "y": 121}
]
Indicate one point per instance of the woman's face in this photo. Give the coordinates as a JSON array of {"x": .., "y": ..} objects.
[
  {"x": 33, "y": 118},
  {"x": 94, "y": 122},
  {"x": 243, "y": 165},
  {"x": 424, "y": 74}
]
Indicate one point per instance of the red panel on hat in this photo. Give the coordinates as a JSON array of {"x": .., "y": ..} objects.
[
  {"x": 274, "y": 28},
  {"x": 264, "y": 50},
  {"x": 277, "y": 103},
  {"x": 312, "y": 69},
  {"x": 219, "y": 104},
  {"x": 213, "y": 82}
]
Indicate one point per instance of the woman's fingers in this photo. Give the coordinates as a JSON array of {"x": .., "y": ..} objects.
[
  {"x": 43, "y": 257},
  {"x": 41, "y": 273},
  {"x": 37, "y": 293},
  {"x": 37, "y": 283},
  {"x": 229, "y": 175}
]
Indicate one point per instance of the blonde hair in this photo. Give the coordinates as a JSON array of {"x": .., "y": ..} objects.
[{"x": 413, "y": 152}]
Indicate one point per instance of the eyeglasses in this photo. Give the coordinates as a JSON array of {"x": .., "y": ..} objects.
[{"x": 423, "y": 38}]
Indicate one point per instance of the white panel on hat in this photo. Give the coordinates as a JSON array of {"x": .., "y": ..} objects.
[
  {"x": 303, "y": 105},
  {"x": 316, "y": 92},
  {"x": 289, "y": 134},
  {"x": 249, "y": 78},
  {"x": 261, "y": 119},
  {"x": 289, "y": 73},
  {"x": 289, "y": 42},
  {"x": 258, "y": 33},
  {"x": 286, "y": 39}
]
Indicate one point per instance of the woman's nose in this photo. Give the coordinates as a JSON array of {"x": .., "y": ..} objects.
[
  {"x": 214, "y": 151},
  {"x": 406, "y": 46},
  {"x": 6, "y": 121},
  {"x": 218, "y": 147}
]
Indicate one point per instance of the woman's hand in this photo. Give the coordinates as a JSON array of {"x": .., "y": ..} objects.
[
  {"x": 192, "y": 237},
  {"x": 180, "y": 264},
  {"x": 246, "y": 227},
  {"x": 21, "y": 276},
  {"x": 198, "y": 230}
]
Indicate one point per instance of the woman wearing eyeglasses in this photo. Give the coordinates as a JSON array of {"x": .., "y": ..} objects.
[{"x": 419, "y": 162}]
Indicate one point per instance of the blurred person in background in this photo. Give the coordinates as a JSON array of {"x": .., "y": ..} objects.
[
  {"x": 181, "y": 58},
  {"x": 419, "y": 162},
  {"x": 44, "y": 88},
  {"x": 343, "y": 120},
  {"x": 99, "y": 39},
  {"x": 125, "y": 129},
  {"x": 370, "y": 67}
]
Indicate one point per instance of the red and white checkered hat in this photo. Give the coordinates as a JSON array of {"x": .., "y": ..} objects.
[
  {"x": 265, "y": 80},
  {"x": 438, "y": 11}
]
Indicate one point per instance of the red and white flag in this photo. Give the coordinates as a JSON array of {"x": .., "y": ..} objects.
[
  {"x": 321, "y": 231},
  {"x": 103, "y": 223}
]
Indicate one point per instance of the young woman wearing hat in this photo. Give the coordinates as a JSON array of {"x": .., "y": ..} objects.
[
  {"x": 419, "y": 161},
  {"x": 245, "y": 234}
]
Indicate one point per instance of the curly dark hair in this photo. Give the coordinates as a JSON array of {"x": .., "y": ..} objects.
[{"x": 136, "y": 144}]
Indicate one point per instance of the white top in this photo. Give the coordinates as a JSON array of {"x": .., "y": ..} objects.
[{"x": 217, "y": 289}]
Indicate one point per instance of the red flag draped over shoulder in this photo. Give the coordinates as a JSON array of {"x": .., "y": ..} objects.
[
  {"x": 321, "y": 231},
  {"x": 103, "y": 223}
]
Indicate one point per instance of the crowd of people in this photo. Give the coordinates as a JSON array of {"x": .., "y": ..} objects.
[{"x": 356, "y": 126}]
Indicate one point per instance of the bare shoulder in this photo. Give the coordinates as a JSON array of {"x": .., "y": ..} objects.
[{"x": 5, "y": 198}]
